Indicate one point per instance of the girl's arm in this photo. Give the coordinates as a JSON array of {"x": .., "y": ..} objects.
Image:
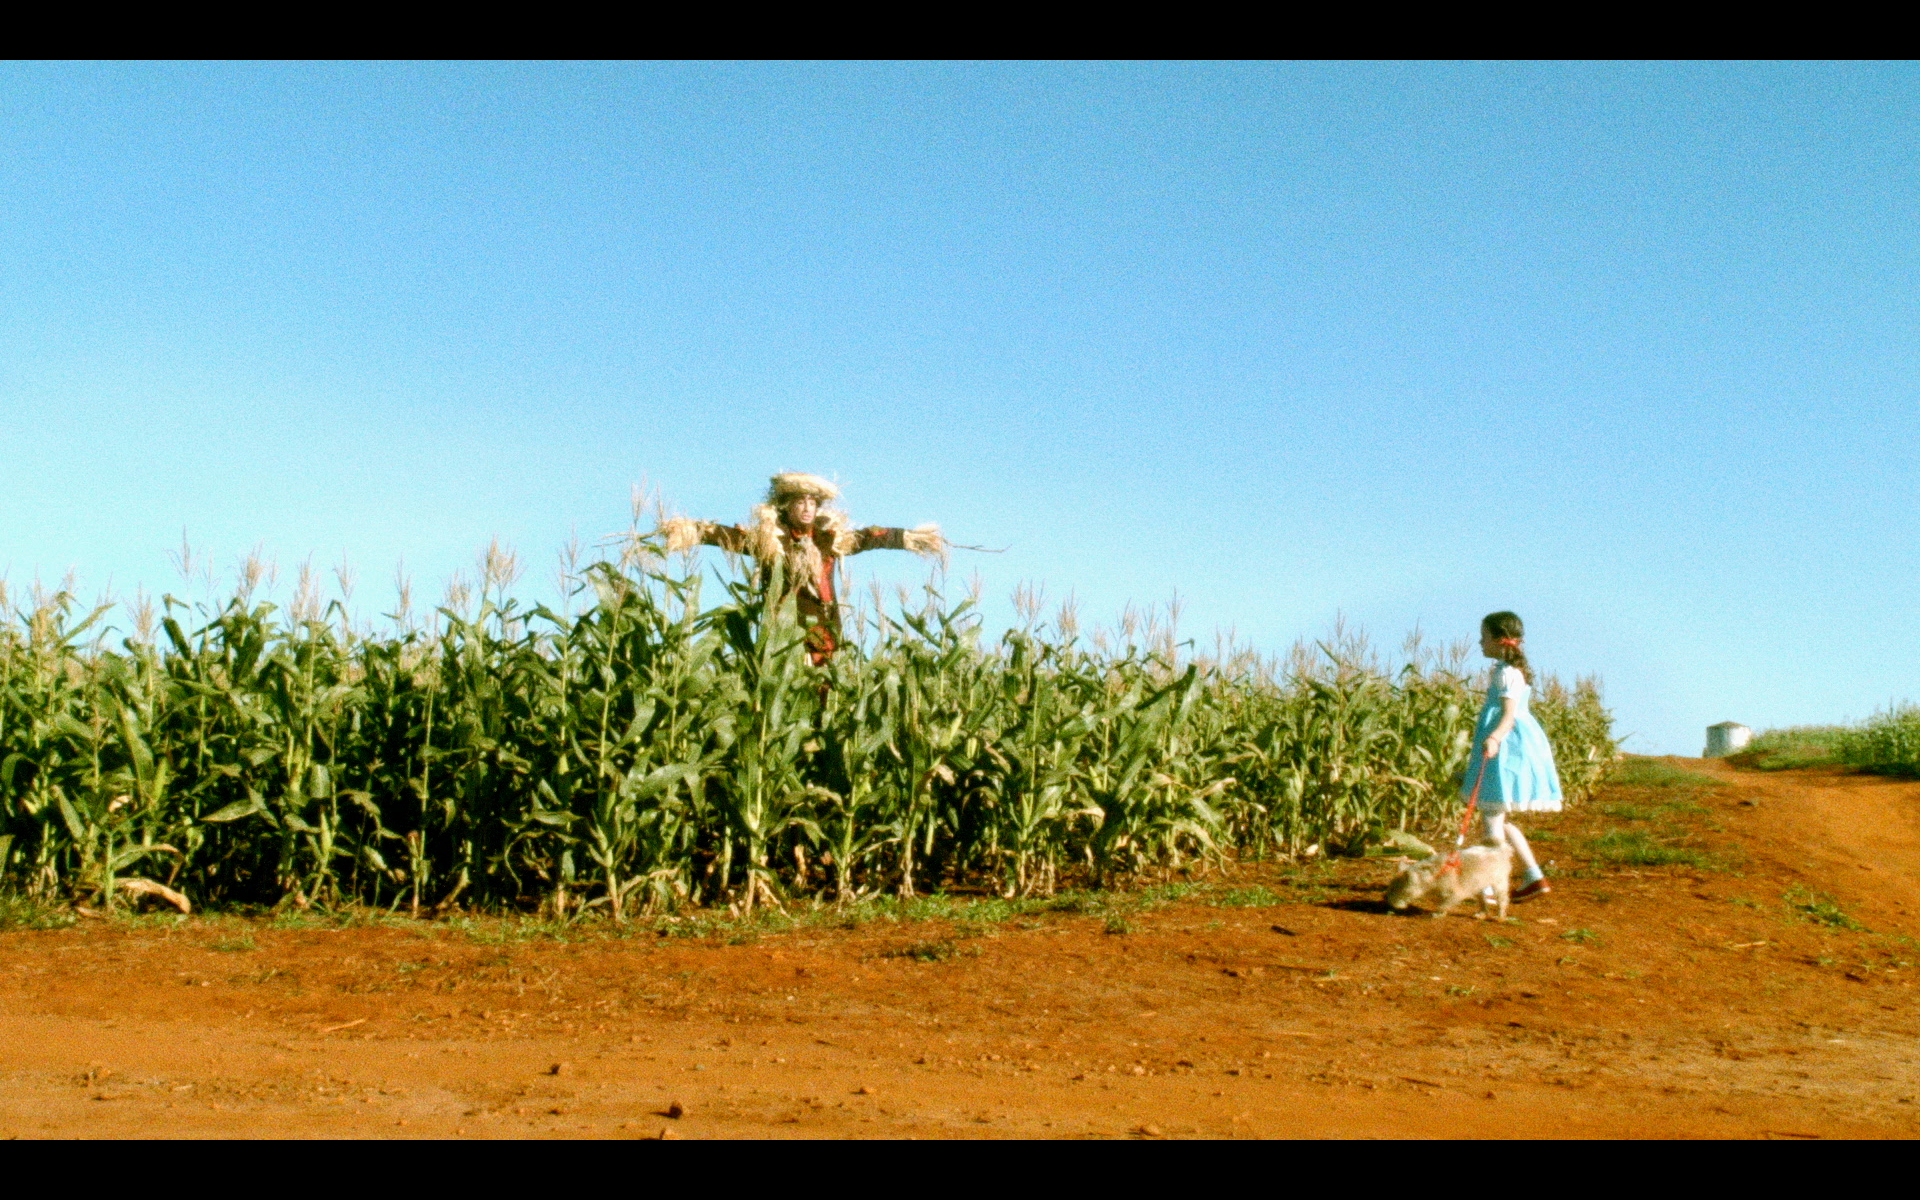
[{"x": 1508, "y": 715}]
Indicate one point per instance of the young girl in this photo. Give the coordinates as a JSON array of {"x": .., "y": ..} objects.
[{"x": 1512, "y": 759}]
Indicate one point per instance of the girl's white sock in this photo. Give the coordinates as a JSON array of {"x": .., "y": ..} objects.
[
  {"x": 1499, "y": 829},
  {"x": 1524, "y": 853}
]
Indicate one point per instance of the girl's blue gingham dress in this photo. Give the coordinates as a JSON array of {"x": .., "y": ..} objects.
[{"x": 1522, "y": 777}]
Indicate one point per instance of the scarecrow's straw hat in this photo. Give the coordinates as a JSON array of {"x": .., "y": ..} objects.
[{"x": 790, "y": 485}]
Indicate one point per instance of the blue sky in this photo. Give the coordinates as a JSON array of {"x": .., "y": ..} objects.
[{"x": 1630, "y": 349}]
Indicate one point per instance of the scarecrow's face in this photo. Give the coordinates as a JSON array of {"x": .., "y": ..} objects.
[{"x": 801, "y": 510}]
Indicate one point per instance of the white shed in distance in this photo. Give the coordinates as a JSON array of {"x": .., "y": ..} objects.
[{"x": 1726, "y": 738}]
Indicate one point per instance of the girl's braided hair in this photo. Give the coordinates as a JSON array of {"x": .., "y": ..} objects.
[{"x": 1508, "y": 631}]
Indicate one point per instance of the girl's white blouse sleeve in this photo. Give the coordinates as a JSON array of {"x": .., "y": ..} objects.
[{"x": 1511, "y": 683}]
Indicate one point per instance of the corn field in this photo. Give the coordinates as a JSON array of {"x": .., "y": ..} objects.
[
  {"x": 1887, "y": 743},
  {"x": 653, "y": 750}
]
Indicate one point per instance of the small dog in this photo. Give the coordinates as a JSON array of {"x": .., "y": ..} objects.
[{"x": 1432, "y": 883}]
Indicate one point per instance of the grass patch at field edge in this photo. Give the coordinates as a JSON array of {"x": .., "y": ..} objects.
[
  {"x": 1643, "y": 848},
  {"x": 1791, "y": 748},
  {"x": 21, "y": 912},
  {"x": 1645, "y": 772}
]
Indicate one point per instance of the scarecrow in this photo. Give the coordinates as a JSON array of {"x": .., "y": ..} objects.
[{"x": 796, "y": 526}]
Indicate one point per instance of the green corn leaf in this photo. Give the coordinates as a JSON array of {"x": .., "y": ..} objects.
[
  {"x": 67, "y": 725},
  {"x": 139, "y": 755},
  {"x": 72, "y": 819},
  {"x": 133, "y": 854},
  {"x": 14, "y": 767},
  {"x": 236, "y": 810}
]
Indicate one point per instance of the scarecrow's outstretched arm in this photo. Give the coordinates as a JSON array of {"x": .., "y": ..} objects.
[
  {"x": 684, "y": 533},
  {"x": 925, "y": 541}
]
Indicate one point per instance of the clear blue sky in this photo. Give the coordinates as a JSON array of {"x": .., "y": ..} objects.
[{"x": 1628, "y": 349}]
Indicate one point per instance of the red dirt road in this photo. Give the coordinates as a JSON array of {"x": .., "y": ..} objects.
[{"x": 1715, "y": 1001}]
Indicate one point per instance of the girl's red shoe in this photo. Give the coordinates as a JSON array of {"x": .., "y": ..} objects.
[{"x": 1537, "y": 888}]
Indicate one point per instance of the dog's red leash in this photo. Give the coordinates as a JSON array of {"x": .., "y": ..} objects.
[{"x": 1466, "y": 819}]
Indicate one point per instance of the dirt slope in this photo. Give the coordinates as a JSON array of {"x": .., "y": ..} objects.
[{"x": 1764, "y": 990}]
